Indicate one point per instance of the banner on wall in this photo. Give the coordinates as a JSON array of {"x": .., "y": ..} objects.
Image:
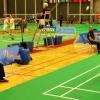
[
  {"x": 58, "y": 1},
  {"x": 81, "y": 0}
]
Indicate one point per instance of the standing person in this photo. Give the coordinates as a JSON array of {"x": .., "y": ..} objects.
[
  {"x": 12, "y": 26},
  {"x": 2, "y": 73},
  {"x": 12, "y": 23},
  {"x": 61, "y": 20},
  {"x": 23, "y": 25},
  {"x": 6, "y": 24},
  {"x": 91, "y": 38}
]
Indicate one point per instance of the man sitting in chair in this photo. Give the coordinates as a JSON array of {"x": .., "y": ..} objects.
[{"x": 91, "y": 38}]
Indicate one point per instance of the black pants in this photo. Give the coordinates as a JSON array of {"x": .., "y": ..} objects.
[
  {"x": 96, "y": 43},
  {"x": 19, "y": 62},
  {"x": 2, "y": 73},
  {"x": 61, "y": 23}
]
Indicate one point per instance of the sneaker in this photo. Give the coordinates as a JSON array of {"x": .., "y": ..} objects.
[{"x": 3, "y": 80}]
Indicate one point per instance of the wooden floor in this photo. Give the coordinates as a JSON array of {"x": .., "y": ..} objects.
[{"x": 49, "y": 60}]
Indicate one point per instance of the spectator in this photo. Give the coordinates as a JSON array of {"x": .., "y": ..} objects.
[{"x": 91, "y": 38}]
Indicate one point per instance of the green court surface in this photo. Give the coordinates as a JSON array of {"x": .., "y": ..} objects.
[
  {"x": 6, "y": 39},
  {"x": 79, "y": 81}
]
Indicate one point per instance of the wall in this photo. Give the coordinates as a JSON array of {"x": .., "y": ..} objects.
[
  {"x": 1, "y": 8},
  {"x": 97, "y": 6},
  {"x": 62, "y": 8}
]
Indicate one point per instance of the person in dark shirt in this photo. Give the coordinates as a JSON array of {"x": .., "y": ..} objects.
[
  {"x": 61, "y": 20},
  {"x": 91, "y": 38},
  {"x": 2, "y": 73},
  {"x": 23, "y": 25}
]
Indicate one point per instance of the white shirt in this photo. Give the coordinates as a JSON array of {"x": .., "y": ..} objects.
[
  {"x": 12, "y": 23},
  {"x": 6, "y": 24}
]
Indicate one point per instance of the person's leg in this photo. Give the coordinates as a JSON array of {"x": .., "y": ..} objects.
[
  {"x": 98, "y": 47},
  {"x": 2, "y": 74},
  {"x": 60, "y": 23},
  {"x": 17, "y": 61}
]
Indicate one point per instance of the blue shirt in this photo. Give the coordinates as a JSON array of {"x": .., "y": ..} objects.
[{"x": 24, "y": 55}]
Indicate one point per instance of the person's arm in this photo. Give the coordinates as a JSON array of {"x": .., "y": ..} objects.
[
  {"x": 0, "y": 62},
  {"x": 91, "y": 39}
]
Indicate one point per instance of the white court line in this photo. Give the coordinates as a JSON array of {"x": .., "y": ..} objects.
[
  {"x": 68, "y": 98},
  {"x": 72, "y": 79},
  {"x": 80, "y": 85},
  {"x": 81, "y": 89}
]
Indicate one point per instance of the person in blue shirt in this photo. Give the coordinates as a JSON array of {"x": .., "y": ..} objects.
[{"x": 24, "y": 54}]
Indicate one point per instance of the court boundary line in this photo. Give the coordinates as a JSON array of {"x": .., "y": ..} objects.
[
  {"x": 81, "y": 89},
  {"x": 70, "y": 98},
  {"x": 57, "y": 96},
  {"x": 47, "y": 92},
  {"x": 72, "y": 79},
  {"x": 80, "y": 85}
]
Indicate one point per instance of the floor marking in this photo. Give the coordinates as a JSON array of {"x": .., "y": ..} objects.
[
  {"x": 62, "y": 97},
  {"x": 81, "y": 89},
  {"x": 80, "y": 85},
  {"x": 73, "y": 78}
]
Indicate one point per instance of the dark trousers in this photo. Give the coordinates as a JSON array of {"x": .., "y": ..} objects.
[
  {"x": 96, "y": 43},
  {"x": 22, "y": 29},
  {"x": 20, "y": 62},
  {"x": 61, "y": 23},
  {"x": 2, "y": 73}
]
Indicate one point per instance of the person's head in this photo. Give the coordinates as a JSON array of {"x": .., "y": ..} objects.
[
  {"x": 11, "y": 16},
  {"x": 23, "y": 45},
  {"x": 91, "y": 28}
]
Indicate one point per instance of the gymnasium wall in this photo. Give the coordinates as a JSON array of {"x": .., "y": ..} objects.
[
  {"x": 21, "y": 6},
  {"x": 62, "y": 8},
  {"x": 97, "y": 6},
  {"x": 1, "y": 8}
]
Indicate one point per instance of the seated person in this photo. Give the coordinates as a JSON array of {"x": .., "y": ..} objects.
[
  {"x": 2, "y": 73},
  {"x": 91, "y": 38},
  {"x": 24, "y": 54}
]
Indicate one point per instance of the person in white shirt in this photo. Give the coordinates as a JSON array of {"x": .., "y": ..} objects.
[
  {"x": 12, "y": 26},
  {"x": 6, "y": 24},
  {"x": 12, "y": 23}
]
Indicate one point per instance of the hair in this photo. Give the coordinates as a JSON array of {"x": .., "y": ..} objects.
[{"x": 24, "y": 45}]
